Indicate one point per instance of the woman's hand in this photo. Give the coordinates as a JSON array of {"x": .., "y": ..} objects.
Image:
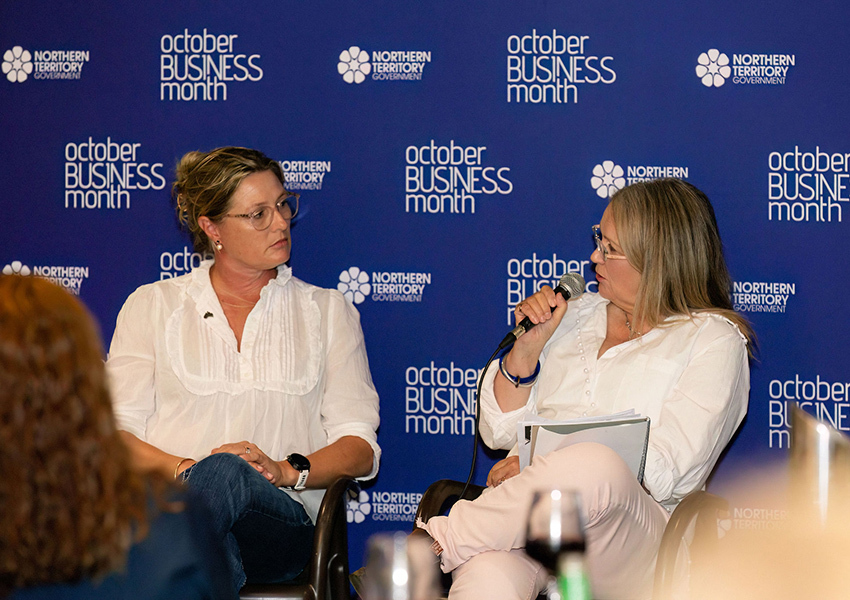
[
  {"x": 502, "y": 470},
  {"x": 538, "y": 309},
  {"x": 265, "y": 466}
]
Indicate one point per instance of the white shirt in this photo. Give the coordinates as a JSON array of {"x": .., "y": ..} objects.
[
  {"x": 300, "y": 382},
  {"x": 690, "y": 376}
]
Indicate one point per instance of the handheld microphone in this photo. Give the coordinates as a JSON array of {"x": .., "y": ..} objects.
[{"x": 571, "y": 285}]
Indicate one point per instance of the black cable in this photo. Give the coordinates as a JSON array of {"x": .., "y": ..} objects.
[{"x": 477, "y": 435}]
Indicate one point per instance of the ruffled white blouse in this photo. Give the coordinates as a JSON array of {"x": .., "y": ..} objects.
[{"x": 300, "y": 382}]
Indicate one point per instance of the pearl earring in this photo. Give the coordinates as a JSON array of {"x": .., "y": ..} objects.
[{"x": 218, "y": 245}]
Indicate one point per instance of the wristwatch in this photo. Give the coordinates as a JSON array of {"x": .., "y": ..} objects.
[{"x": 300, "y": 463}]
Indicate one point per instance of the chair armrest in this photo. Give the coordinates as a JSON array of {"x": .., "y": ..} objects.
[
  {"x": 441, "y": 495},
  {"x": 700, "y": 509}
]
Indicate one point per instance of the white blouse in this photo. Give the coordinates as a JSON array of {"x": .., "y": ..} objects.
[
  {"x": 300, "y": 382},
  {"x": 690, "y": 376}
]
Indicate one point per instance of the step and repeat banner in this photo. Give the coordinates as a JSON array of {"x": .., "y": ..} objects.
[{"x": 451, "y": 158}]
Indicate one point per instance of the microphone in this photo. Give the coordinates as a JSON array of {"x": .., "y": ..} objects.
[{"x": 571, "y": 285}]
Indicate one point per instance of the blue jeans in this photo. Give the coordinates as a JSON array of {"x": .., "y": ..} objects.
[{"x": 268, "y": 536}]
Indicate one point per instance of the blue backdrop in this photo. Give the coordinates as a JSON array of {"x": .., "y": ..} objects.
[{"x": 451, "y": 158}]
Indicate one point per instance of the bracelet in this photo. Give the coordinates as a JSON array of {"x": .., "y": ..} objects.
[
  {"x": 519, "y": 381},
  {"x": 177, "y": 468}
]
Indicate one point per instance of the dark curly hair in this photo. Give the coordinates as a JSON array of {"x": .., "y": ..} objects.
[{"x": 71, "y": 505}]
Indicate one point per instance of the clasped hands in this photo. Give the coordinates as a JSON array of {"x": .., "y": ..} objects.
[{"x": 276, "y": 473}]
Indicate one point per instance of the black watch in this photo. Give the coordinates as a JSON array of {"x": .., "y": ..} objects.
[{"x": 300, "y": 463}]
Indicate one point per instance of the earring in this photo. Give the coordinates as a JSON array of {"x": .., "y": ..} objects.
[{"x": 218, "y": 245}]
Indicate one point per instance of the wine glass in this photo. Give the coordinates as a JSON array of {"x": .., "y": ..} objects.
[
  {"x": 555, "y": 538},
  {"x": 400, "y": 567}
]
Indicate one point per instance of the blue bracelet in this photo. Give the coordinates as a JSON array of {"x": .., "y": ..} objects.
[{"x": 519, "y": 381}]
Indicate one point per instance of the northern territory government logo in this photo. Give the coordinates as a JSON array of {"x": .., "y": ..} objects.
[
  {"x": 609, "y": 177},
  {"x": 549, "y": 68},
  {"x": 356, "y": 64},
  {"x": 70, "y": 278},
  {"x": 305, "y": 174},
  {"x": 714, "y": 68},
  {"x": 20, "y": 64},
  {"x": 381, "y": 506},
  {"x": 382, "y": 286},
  {"x": 762, "y": 296}
]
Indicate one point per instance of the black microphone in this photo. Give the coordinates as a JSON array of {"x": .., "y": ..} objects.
[{"x": 571, "y": 285}]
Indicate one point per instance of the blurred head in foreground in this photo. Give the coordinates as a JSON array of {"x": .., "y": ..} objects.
[
  {"x": 801, "y": 556},
  {"x": 71, "y": 506}
]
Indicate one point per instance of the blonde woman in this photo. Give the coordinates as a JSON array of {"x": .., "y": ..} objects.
[{"x": 660, "y": 336}]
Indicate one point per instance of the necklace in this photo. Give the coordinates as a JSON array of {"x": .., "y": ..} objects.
[
  {"x": 235, "y": 305},
  {"x": 632, "y": 332}
]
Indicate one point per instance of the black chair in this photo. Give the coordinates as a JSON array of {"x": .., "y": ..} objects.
[
  {"x": 326, "y": 575},
  {"x": 691, "y": 533}
]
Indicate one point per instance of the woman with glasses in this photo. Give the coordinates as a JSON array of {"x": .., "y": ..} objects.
[
  {"x": 246, "y": 383},
  {"x": 659, "y": 337}
]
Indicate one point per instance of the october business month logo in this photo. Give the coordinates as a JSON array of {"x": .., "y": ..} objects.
[
  {"x": 714, "y": 68},
  {"x": 382, "y": 286},
  {"x": 808, "y": 184},
  {"x": 175, "y": 264},
  {"x": 450, "y": 178},
  {"x": 608, "y": 177},
  {"x": 545, "y": 68},
  {"x": 69, "y": 277},
  {"x": 19, "y": 64},
  {"x": 827, "y": 400},
  {"x": 440, "y": 399},
  {"x": 527, "y": 274},
  {"x": 101, "y": 174},
  {"x": 356, "y": 64},
  {"x": 201, "y": 66}
]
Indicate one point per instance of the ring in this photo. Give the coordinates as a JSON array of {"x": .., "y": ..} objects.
[
  {"x": 247, "y": 450},
  {"x": 519, "y": 307}
]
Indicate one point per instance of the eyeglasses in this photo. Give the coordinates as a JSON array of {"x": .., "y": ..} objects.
[
  {"x": 606, "y": 253},
  {"x": 262, "y": 218}
]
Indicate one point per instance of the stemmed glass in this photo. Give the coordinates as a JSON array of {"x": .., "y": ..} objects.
[
  {"x": 400, "y": 567},
  {"x": 555, "y": 538}
]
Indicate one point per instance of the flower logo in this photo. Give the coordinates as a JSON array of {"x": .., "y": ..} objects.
[
  {"x": 713, "y": 68},
  {"x": 723, "y": 526},
  {"x": 354, "y": 285},
  {"x": 607, "y": 179},
  {"x": 354, "y": 65},
  {"x": 357, "y": 507},
  {"x": 16, "y": 267},
  {"x": 17, "y": 64}
]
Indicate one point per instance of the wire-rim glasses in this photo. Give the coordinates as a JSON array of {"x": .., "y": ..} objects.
[
  {"x": 606, "y": 253},
  {"x": 262, "y": 218}
]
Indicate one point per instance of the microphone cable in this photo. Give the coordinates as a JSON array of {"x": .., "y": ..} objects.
[{"x": 477, "y": 436}]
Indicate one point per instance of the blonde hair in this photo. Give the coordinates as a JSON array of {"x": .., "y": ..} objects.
[
  {"x": 205, "y": 183},
  {"x": 668, "y": 231}
]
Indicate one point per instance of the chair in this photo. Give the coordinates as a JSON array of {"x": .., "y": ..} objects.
[
  {"x": 695, "y": 519},
  {"x": 691, "y": 534},
  {"x": 326, "y": 575}
]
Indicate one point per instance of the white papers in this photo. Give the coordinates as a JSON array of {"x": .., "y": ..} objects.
[{"x": 626, "y": 433}]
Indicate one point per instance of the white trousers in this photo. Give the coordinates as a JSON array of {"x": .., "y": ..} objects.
[{"x": 482, "y": 539}]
